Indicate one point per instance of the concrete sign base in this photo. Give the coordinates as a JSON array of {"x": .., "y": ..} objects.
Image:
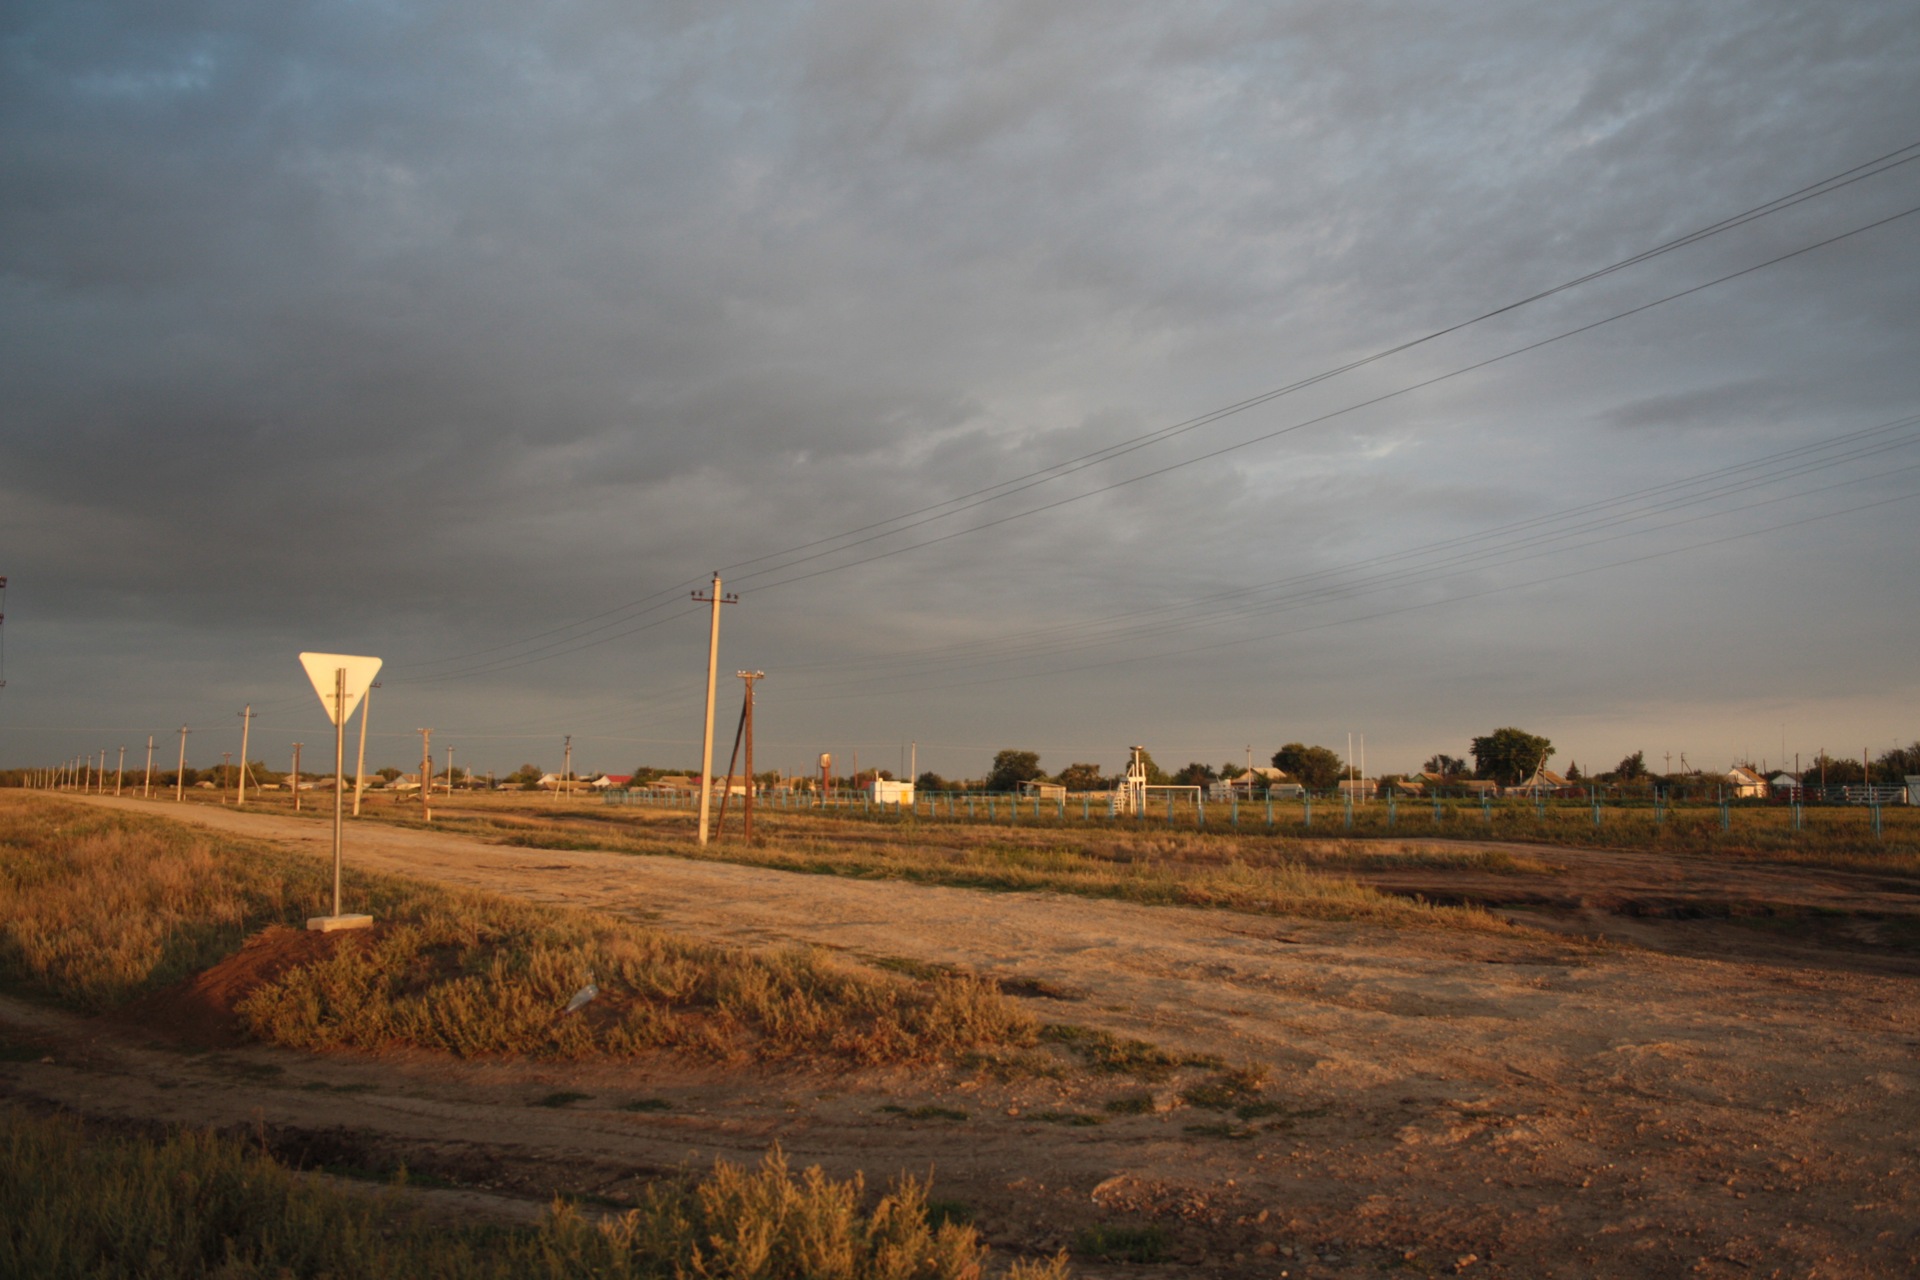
[{"x": 328, "y": 924}]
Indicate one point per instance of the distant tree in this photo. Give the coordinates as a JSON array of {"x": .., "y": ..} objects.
[
  {"x": 1894, "y": 767},
  {"x": 1832, "y": 771},
  {"x": 387, "y": 773},
  {"x": 1011, "y": 768},
  {"x": 1195, "y": 774},
  {"x": 1446, "y": 766},
  {"x": 1080, "y": 776},
  {"x": 1229, "y": 771},
  {"x": 1573, "y": 771},
  {"x": 931, "y": 781},
  {"x": 1510, "y": 756},
  {"x": 1631, "y": 768},
  {"x": 1315, "y": 768}
]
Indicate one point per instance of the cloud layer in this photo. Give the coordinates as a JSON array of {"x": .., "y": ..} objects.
[{"x": 441, "y": 331}]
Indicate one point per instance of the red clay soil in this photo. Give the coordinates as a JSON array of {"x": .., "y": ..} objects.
[{"x": 201, "y": 1010}]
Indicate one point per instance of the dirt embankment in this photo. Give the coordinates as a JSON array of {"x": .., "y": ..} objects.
[{"x": 1437, "y": 1102}]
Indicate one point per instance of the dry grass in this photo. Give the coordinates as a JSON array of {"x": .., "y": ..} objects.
[
  {"x": 1154, "y": 867},
  {"x": 80, "y": 1204},
  {"x": 95, "y": 909}
]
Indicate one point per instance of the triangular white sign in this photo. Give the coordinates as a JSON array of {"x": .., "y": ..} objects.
[{"x": 322, "y": 669}]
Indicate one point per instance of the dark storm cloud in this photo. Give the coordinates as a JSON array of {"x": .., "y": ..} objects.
[{"x": 517, "y": 313}]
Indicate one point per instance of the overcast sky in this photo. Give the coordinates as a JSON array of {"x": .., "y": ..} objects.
[{"x": 475, "y": 336}]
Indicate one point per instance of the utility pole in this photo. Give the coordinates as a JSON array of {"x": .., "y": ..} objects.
[
  {"x": 100, "y": 778},
  {"x": 120, "y": 771},
  {"x": 246, "y": 723},
  {"x": 426, "y": 775},
  {"x": 360, "y": 767},
  {"x": 146, "y": 788},
  {"x": 566, "y": 771},
  {"x": 913, "y": 762},
  {"x": 749, "y": 677},
  {"x": 716, "y": 599},
  {"x": 449, "y": 775},
  {"x": 296, "y": 775}
]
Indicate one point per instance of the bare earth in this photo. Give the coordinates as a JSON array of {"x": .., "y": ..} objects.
[{"x": 1529, "y": 1105}]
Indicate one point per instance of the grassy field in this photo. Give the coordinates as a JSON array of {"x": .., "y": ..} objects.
[
  {"x": 97, "y": 908},
  {"x": 1835, "y": 835},
  {"x": 1152, "y": 867},
  {"x": 78, "y": 1203}
]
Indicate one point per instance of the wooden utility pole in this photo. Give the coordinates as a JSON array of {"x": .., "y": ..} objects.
[
  {"x": 296, "y": 775},
  {"x": 120, "y": 771},
  {"x": 716, "y": 599},
  {"x": 246, "y": 723},
  {"x": 146, "y": 788},
  {"x": 360, "y": 767},
  {"x": 749, "y": 677},
  {"x": 426, "y": 775},
  {"x": 566, "y": 769}
]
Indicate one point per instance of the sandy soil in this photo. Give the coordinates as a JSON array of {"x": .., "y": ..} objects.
[{"x": 1523, "y": 1105}]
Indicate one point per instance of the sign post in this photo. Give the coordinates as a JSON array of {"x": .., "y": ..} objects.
[{"x": 341, "y": 680}]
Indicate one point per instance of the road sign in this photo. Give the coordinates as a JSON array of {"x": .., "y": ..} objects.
[{"x": 321, "y": 669}]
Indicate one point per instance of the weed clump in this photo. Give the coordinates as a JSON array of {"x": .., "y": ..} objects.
[
  {"x": 73, "y": 1204},
  {"x": 1116, "y": 1243}
]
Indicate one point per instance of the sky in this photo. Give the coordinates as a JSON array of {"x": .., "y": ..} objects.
[{"x": 1013, "y": 362}]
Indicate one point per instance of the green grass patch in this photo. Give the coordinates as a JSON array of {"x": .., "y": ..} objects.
[
  {"x": 647, "y": 1104},
  {"x": 1222, "y": 1129},
  {"x": 1105, "y": 1052},
  {"x": 1121, "y": 1243},
  {"x": 562, "y": 1098},
  {"x": 925, "y": 1112},
  {"x": 75, "y": 1203}
]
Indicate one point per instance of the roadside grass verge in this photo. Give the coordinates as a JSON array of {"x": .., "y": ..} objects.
[
  {"x": 77, "y": 1203},
  {"x": 1244, "y": 874},
  {"x": 96, "y": 909}
]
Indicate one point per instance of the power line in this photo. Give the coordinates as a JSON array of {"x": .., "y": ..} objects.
[
  {"x": 953, "y": 506},
  {"x": 1314, "y": 421},
  {"x": 1872, "y": 168}
]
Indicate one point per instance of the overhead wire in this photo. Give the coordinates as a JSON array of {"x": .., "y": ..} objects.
[
  {"x": 953, "y": 506},
  {"x": 1370, "y": 402},
  {"x": 1433, "y": 569}
]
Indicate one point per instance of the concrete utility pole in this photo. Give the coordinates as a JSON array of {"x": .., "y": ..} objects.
[
  {"x": 360, "y": 766},
  {"x": 566, "y": 769},
  {"x": 246, "y": 723},
  {"x": 120, "y": 771},
  {"x": 296, "y": 775},
  {"x": 716, "y": 599},
  {"x": 449, "y": 775},
  {"x": 426, "y": 775},
  {"x": 146, "y": 788},
  {"x": 749, "y": 677},
  {"x": 101, "y": 778}
]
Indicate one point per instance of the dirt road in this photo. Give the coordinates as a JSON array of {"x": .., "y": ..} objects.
[{"x": 1441, "y": 1101}]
